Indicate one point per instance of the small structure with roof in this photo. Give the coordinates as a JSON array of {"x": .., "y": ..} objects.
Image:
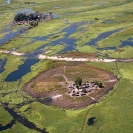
[{"x": 83, "y": 89}]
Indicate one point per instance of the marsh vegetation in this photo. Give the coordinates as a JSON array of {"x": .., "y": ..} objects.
[{"x": 89, "y": 29}]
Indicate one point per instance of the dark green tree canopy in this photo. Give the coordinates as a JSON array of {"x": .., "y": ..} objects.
[
  {"x": 78, "y": 81},
  {"x": 98, "y": 83},
  {"x": 31, "y": 16}
]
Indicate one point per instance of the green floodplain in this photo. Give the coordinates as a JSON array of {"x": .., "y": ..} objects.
[{"x": 103, "y": 28}]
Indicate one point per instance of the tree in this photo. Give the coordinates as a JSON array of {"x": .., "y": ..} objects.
[
  {"x": 98, "y": 83},
  {"x": 50, "y": 13},
  {"x": 33, "y": 24},
  {"x": 20, "y": 17},
  {"x": 78, "y": 81}
]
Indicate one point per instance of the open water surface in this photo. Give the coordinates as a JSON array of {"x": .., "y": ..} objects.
[
  {"x": 2, "y": 65},
  {"x": 16, "y": 117},
  {"x": 8, "y": 1},
  {"x": 128, "y": 42},
  {"x": 68, "y": 43},
  {"x": 9, "y": 36},
  {"x": 22, "y": 70}
]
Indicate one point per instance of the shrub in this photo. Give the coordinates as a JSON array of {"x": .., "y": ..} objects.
[
  {"x": 78, "y": 81},
  {"x": 98, "y": 83}
]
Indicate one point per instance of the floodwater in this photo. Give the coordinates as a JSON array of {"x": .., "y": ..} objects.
[
  {"x": 8, "y": 1},
  {"x": 107, "y": 48},
  {"x": 26, "y": 67},
  {"x": 39, "y": 49},
  {"x": 69, "y": 42},
  {"x": 70, "y": 13},
  {"x": 20, "y": 119},
  {"x": 107, "y": 21},
  {"x": 26, "y": 11},
  {"x": 55, "y": 16},
  {"x": 9, "y": 125},
  {"x": 93, "y": 42},
  {"x": 9, "y": 36},
  {"x": 57, "y": 7},
  {"x": 128, "y": 42},
  {"x": 22, "y": 70},
  {"x": 2, "y": 65},
  {"x": 99, "y": 3}
]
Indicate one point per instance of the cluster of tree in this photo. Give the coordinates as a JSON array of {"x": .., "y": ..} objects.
[
  {"x": 98, "y": 83},
  {"x": 33, "y": 23},
  {"x": 31, "y": 17},
  {"x": 78, "y": 81}
]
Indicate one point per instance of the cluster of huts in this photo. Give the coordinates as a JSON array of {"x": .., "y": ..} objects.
[
  {"x": 23, "y": 18},
  {"x": 82, "y": 90}
]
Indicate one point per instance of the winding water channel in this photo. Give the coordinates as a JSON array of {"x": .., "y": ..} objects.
[
  {"x": 9, "y": 36},
  {"x": 69, "y": 42},
  {"x": 22, "y": 70},
  {"x": 16, "y": 117},
  {"x": 2, "y": 65}
]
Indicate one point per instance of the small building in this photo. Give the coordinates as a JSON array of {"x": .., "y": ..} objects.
[{"x": 82, "y": 89}]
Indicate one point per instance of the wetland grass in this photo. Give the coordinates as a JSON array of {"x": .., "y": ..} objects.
[{"x": 114, "y": 111}]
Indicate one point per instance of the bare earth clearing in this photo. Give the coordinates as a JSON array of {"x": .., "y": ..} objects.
[{"x": 52, "y": 85}]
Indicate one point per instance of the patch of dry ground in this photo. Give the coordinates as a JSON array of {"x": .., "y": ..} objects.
[
  {"x": 75, "y": 54},
  {"x": 51, "y": 84}
]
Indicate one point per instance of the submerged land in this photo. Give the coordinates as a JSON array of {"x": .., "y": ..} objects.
[{"x": 41, "y": 58}]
